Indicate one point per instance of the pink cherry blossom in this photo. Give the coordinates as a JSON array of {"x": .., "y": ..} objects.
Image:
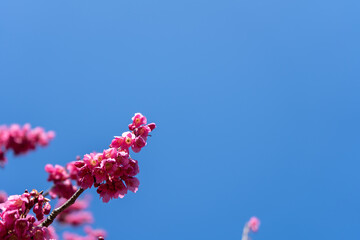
[
  {"x": 63, "y": 186},
  {"x": 22, "y": 139},
  {"x": 138, "y": 120},
  {"x": 128, "y": 139},
  {"x": 109, "y": 165},
  {"x": 63, "y": 189},
  {"x": 17, "y": 223},
  {"x": 254, "y": 224},
  {"x": 110, "y": 153},
  {"x": 91, "y": 160},
  {"x": 132, "y": 183},
  {"x": 72, "y": 170},
  {"x": 3, "y": 196},
  {"x": 92, "y": 234},
  {"x": 100, "y": 174},
  {"x": 57, "y": 173},
  {"x": 78, "y": 218},
  {"x": 112, "y": 190},
  {"x": 95, "y": 232},
  {"x": 117, "y": 142}
]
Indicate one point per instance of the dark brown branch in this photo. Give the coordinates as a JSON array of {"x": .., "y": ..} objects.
[{"x": 58, "y": 210}]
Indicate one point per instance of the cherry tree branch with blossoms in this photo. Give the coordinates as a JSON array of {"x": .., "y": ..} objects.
[
  {"x": 112, "y": 172},
  {"x": 251, "y": 226}
]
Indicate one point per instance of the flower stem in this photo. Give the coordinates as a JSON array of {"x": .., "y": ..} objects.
[
  {"x": 58, "y": 210},
  {"x": 47, "y": 192},
  {"x": 245, "y": 235}
]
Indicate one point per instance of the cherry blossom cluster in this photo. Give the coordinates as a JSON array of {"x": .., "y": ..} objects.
[
  {"x": 17, "y": 223},
  {"x": 22, "y": 139},
  {"x": 113, "y": 171},
  {"x": 61, "y": 177}
]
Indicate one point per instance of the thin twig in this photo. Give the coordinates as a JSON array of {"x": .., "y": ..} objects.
[
  {"x": 58, "y": 210},
  {"x": 245, "y": 235},
  {"x": 47, "y": 192}
]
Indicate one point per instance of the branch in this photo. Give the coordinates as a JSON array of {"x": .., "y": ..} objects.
[
  {"x": 58, "y": 210},
  {"x": 245, "y": 235},
  {"x": 47, "y": 192}
]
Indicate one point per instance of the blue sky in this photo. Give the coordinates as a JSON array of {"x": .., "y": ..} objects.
[{"x": 256, "y": 102}]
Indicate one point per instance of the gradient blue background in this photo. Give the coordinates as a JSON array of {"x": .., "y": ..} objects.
[{"x": 256, "y": 102}]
